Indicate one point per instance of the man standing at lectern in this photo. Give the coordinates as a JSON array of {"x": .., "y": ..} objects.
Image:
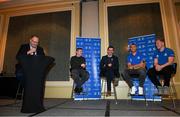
[
  {"x": 78, "y": 70},
  {"x": 34, "y": 65},
  {"x": 31, "y": 48}
]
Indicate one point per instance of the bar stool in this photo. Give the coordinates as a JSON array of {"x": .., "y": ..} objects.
[
  {"x": 104, "y": 85},
  {"x": 144, "y": 92},
  {"x": 131, "y": 96},
  {"x": 83, "y": 93}
]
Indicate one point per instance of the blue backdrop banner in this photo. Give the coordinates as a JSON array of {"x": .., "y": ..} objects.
[
  {"x": 92, "y": 52},
  {"x": 146, "y": 45}
]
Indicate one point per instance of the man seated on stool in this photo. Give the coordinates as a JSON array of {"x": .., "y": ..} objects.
[
  {"x": 109, "y": 68},
  {"x": 78, "y": 70},
  {"x": 136, "y": 67},
  {"x": 163, "y": 60}
]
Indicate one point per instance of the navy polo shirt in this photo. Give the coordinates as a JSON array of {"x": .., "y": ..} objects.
[
  {"x": 135, "y": 59},
  {"x": 164, "y": 55}
]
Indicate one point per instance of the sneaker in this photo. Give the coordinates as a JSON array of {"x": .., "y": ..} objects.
[
  {"x": 133, "y": 90},
  {"x": 166, "y": 90},
  {"x": 140, "y": 91},
  {"x": 160, "y": 90}
]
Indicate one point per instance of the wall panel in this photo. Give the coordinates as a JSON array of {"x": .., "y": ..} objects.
[
  {"x": 54, "y": 30},
  {"x": 129, "y": 21}
]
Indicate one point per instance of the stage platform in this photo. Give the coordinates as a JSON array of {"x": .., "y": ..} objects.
[{"x": 69, "y": 107}]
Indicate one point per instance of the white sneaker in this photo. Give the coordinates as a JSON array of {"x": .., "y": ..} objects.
[
  {"x": 133, "y": 90},
  {"x": 140, "y": 91}
]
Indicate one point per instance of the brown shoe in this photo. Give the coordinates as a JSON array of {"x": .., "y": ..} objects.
[{"x": 108, "y": 93}]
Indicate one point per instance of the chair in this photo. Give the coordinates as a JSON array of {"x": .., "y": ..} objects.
[
  {"x": 144, "y": 93},
  {"x": 172, "y": 92},
  {"x": 103, "y": 85}
]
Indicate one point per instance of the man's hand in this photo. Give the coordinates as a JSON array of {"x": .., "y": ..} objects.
[
  {"x": 30, "y": 52},
  {"x": 130, "y": 67},
  {"x": 83, "y": 65},
  {"x": 158, "y": 67},
  {"x": 109, "y": 65}
]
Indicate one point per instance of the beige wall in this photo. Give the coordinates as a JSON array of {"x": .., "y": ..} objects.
[{"x": 90, "y": 19}]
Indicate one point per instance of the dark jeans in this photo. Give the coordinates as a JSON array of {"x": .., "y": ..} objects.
[
  {"x": 109, "y": 78},
  {"x": 80, "y": 76},
  {"x": 134, "y": 73},
  {"x": 165, "y": 73}
]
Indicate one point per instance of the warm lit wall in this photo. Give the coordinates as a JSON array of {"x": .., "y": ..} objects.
[
  {"x": 54, "y": 89},
  {"x": 169, "y": 21},
  {"x": 178, "y": 11}
]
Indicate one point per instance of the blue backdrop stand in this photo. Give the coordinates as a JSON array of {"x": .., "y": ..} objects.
[{"x": 92, "y": 52}]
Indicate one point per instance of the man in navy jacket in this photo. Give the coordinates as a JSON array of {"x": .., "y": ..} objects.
[{"x": 109, "y": 68}]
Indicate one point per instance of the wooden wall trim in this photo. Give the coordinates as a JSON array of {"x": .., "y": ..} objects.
[
  {"x": 128, "y": 2},
  {"x": 3, "y": 35},
  {"x": 14, "y": 5}
]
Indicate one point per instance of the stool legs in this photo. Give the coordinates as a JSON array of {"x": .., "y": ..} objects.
[
  {"x": 18, "y": 91},
  {"x": 173, "y": 93},
  {"x": 144, "y": 96},
  {"x": 103, "y": 85},
  {"x": 115, "y": 94},
  {"x": 72, "y": 90}
]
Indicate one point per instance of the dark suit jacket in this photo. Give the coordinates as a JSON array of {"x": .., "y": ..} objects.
[
  {"x": 26, "y": 47},
  {"x": 115, "y": 66}
]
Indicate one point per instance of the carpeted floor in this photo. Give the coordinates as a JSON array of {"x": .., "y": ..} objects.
[{"x": 68, "y": 107}]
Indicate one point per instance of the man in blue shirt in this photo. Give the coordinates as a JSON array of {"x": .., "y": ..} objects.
[
  {"x": 163, "y": 65},
  {"x": 135, "y": 68}
]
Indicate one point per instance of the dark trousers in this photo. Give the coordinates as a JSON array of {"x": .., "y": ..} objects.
[
  {"x": 80, "y": 76},
  {"x": 165, "y": 73},
  {"x": 109, "y": 74},
  {"x": 134, "y": 73}
]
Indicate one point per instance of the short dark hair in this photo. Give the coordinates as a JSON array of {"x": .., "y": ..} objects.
[
  {"x": 34, "y": 36},
  {"x": 133, "y": 44},
  {"x": 110, "y": 47},
  {"x": 77, "y": 49},
  {"x": 160, "y": 39}
]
